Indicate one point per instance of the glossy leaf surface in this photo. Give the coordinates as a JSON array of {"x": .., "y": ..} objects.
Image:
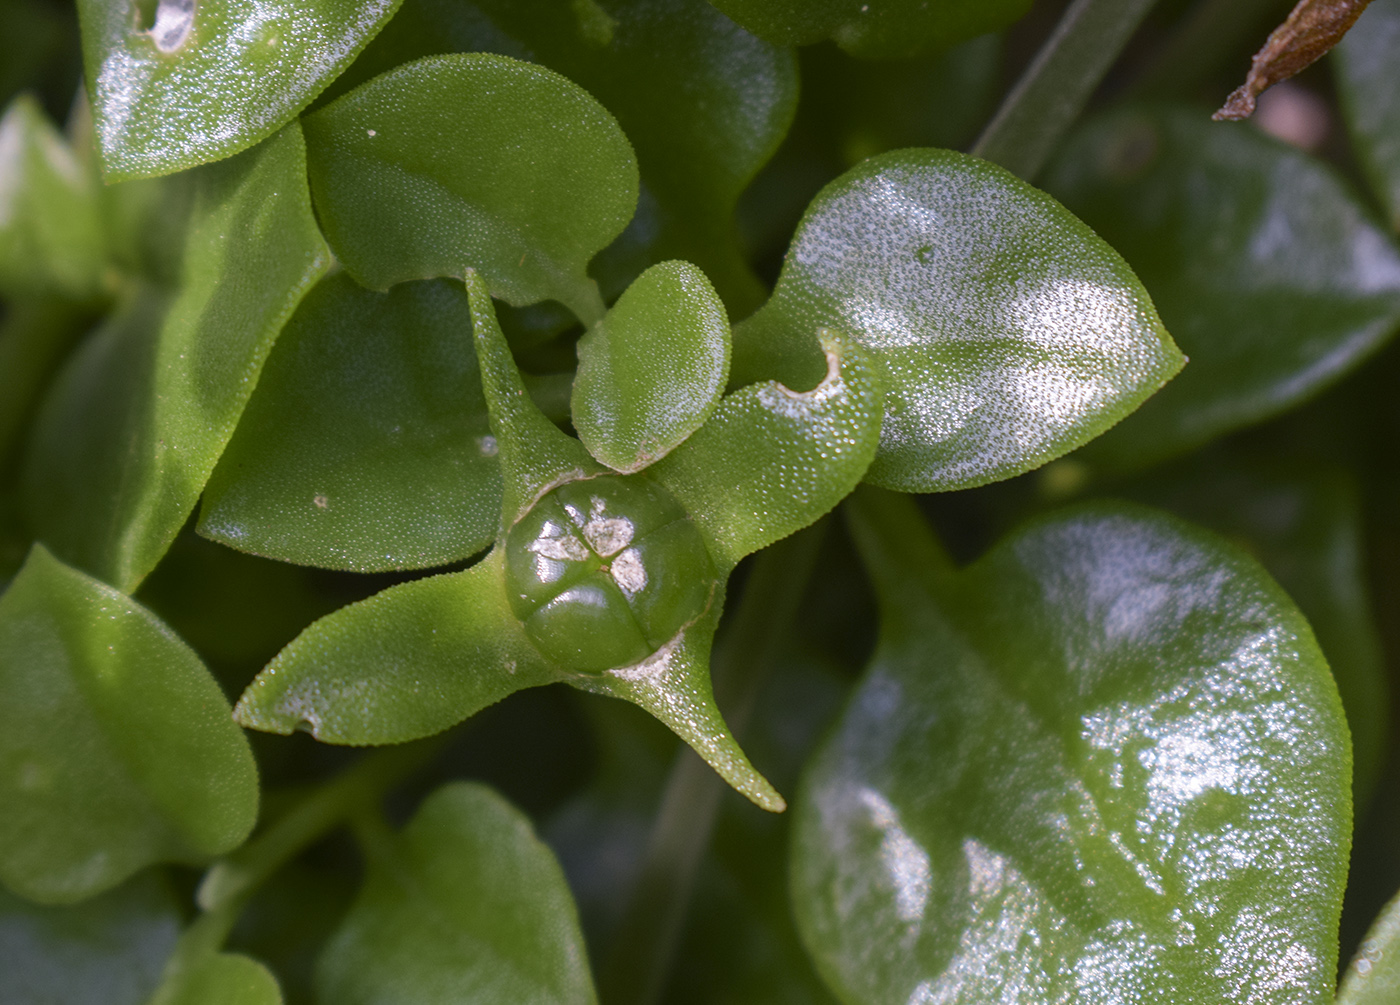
[
  {"x": 466, "y": 904},
  {"x": 366, "y": 445},
  {"x": 133, "y": 425},
  {"x": 199, "y": 81},
  {"x": 116, "y": 746},
  {"x": 1304, "y": 524},
  {"x": 651, "y": 372},
  {"x": 51, "y": 238},
  {"x": 704, "y": 103},
  {"x": 408, "y": 662},
  {"x": 771, "y": 460},
  {"x": 1370, "y": 96},
  {"x": 1105, "y": 763},
  {"x": 473, "y": 161},
  {"x": 877, "y": 29},
  {"x": 1265, "y": 268},
  {"x": 105, "y": 951},
  {"x": 1011, "y": 333},
  {"x": 221, "y": 979},
  {"x": 1373, "y": 978}
]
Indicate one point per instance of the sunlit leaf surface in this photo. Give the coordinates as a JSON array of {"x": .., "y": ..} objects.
[
  {"x": 1105, "y": 763},
  {"x": 1010, "y": 331},
  {"x": 175, "y": 83}
]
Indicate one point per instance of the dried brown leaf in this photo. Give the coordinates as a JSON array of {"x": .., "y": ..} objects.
[{"x": 1312, "y": 29}]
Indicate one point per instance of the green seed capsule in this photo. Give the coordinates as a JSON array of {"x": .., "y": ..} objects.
[{"x": 605, "y": 571}]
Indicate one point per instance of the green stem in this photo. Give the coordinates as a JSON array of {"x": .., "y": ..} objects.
[
  {"x": 1058, "y": 83},
  {"x": 364, "y": 784},
  {"x": 645, "y": 942},
  {"x": 898, "y": 546}
]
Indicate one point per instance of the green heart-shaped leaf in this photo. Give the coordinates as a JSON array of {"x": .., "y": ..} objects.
[
  {"x": 116, "y": 746},
  {"x": 202, "y": 81},
  {"x": 466, "y": 904},
  {"x": 771, "y": 460},
  {"x": 1105, "y": 763},
  {"x": 874, "y": 29},
  {"x": 105, "y": 951},
  {"x": 1370, "y": 94},
  {"x": 1011, "y": 333},
  {"x": 367, "y": 444},
  {"x": 133, "y": 425},
  {"x": 651, "y": 372},
  {"x": 1374, "y": 975},
  {"x": 704, "y": 103},
  {"x": 51, "y": 239},
  {"x": 473, "y": 161},
  {"x": 1263, "y": 265}
]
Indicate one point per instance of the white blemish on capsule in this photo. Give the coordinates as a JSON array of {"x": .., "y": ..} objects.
[
  {"x": 558, "y": 543},
  {"x": 486, "y": 444},
  {"x": 629, "y": 572},
  {"x": 370, "y": 132},
  {"x": 605, "y": 535}
]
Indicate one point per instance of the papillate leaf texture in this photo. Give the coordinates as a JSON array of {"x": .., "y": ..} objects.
[
  {"x": 116, "y": 745},
  {"x": 1373, "y": 978},
  {"x": 473, "y": 161},
  {"x": 1104, "y": 763},
  {"x": 134, "y": 423},
  {"x": 176, "y": 83},
  {"x": 1268, "y": 271},
  {"x": 651, "y": 372},
  {"x": 1304, "y": 522},
  {"x": 1011, "y": 333},
  {"x": 704, "y": 102},
  {"x": 874, "y": 29},
  {"x": 51, "y": 240},
  {"x": 108, "y": 950},
  {"x": 465, "y": 904},
  {"x": 367, "y": 445},
  {"x": 1370, "y": 98}
]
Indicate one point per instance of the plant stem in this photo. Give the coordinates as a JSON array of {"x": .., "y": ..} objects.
[
  {"x": 321, "y": 812},
  {"x": 1056, "y": 86},
  {"x": 646, "y": 939}
]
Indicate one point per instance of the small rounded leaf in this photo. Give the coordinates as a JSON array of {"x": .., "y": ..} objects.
[
  {"x": 1265, "y": 267},
  {"x": 116, "y": 745},
  {"x": 1105, "y": 763},
  {"x": 473, "y": 161},
  {"x": 202, "y": 81},
  {"x": 221, "y": 979},
  {"x": 651, "y": 372},
  {"x": 1011, "y": 332},
  {"x": 366, "y": 445},
  {"x": 466, "y": 904}
]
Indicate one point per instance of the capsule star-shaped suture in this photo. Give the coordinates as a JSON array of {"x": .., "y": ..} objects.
[{"x": 608, "y": 576}]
